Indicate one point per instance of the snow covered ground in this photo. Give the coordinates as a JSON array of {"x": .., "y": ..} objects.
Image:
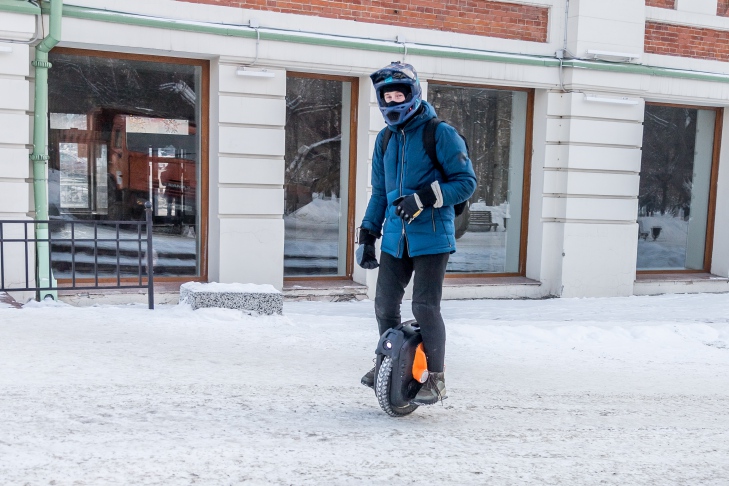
[{"x": 622, "y": 391}]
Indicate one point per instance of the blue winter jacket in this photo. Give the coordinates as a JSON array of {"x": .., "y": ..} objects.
[{"x": 405, "y": 168}]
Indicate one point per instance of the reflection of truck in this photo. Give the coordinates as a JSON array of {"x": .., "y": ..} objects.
[{"x": 147, "y": 162}]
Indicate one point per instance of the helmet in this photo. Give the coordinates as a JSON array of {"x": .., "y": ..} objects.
[{"x": 397, "y": 77}]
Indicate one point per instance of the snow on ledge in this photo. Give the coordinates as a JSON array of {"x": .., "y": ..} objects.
[{"x": 248, "y": 288}]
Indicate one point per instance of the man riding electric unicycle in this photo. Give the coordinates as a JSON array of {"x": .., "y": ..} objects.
[{"x": 420, "y": 172}]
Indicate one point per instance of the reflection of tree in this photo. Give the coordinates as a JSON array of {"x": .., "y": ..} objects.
[
  {"x": 669, "y": 140},
  {"x": 80, "y": 84},
  {"x": 313, "y": 140},
  {"x": 483, "y": 116}
]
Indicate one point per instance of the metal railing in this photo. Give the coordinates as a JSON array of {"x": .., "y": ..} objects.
[{"x": 109, "y": 241}]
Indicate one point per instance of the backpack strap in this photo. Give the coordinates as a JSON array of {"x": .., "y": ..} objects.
[
  {"x": 429, "y": 144},
  {"x": 386, "y": 139}
]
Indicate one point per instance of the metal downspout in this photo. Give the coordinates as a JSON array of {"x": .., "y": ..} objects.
[{"x": 44, "y": 277}]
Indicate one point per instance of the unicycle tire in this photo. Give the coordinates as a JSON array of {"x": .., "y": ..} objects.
[{"x": 382, "y": 391}]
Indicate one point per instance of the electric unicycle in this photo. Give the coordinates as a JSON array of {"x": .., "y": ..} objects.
[{"x": 400, "y": 368}]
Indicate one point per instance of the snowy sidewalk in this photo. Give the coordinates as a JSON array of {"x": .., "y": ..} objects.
[{"x": 629, "y": 391}]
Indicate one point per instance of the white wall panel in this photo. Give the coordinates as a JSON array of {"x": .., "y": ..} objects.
[
  {"x": 14, "y": 128},
  {"x": 251, "y": 200},
  {"x": 594, "y": 132},
  {"x": 14, "y": 93},
  {"x": 14, "y": 163},
  {"x": 706, "y": 7},
  {"x": 238, "y": 170},
  {"x": 591, "y": 183},
  {"x": 230, "y": 82},
  {"x": 14, "y": 197},
  {"x": 253, "y": 111},
  {"x": 252, "y": 141},
  {"x": 593, "y": 157},
  {"x": 576, "y": 105},
  {"x": 609, "y": 251},
  {"x": 252, "y": 251},
  {"x": 591, "y": 209}
]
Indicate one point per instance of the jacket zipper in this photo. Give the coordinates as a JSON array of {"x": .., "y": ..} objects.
[{"x": 402, "y": 179}]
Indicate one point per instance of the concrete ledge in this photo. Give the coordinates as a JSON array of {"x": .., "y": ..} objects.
[
  {"x": 324, "y": 290},
  {"x": 465, "y": 288},
  {"x": 678, "y": 283},
  {"x": 262, "y": 299}
]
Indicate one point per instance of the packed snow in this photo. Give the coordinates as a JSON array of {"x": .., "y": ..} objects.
[{"x": 616, "y": 391}]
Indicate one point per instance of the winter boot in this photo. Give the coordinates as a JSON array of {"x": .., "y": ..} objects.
[
  {"x": 433, "y": 390},
  {"x": 369, "y": 379}
]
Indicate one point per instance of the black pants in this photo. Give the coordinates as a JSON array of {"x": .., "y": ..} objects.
[{"x": 394, "y": 276}]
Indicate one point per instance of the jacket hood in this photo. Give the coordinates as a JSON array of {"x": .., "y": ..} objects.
[{"x": 426, "y": 113}]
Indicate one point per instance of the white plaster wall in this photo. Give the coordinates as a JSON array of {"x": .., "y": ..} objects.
[
  {"x": 248, "y": 167},
  {"x": 614, "y": 26},
  {"x": 706, "y": 7},
  {"x": 590, "y": 191},
  {"x": 15, "y": 139}
]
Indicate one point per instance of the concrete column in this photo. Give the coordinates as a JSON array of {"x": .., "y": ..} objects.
[
  {"x": 16, "y": 193},
  {"x": 250, "y": 177},
  {"x": 615, "y": 26},
  {"x": 591, "y": 182}
]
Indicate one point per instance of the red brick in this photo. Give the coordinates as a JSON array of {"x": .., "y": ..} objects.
[{"x": 489, "y": 18}]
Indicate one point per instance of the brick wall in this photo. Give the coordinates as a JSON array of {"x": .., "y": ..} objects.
[
  {"x": 478, "y": 17},
  {"x": 661, "y": 3},
  {"x": 684, "y": 41}
]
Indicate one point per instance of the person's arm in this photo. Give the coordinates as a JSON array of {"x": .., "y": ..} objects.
[
  {"x": 371, "y": 226},
  {"x": 453, "y": 156},
  {"x": 377, "y": 205}
]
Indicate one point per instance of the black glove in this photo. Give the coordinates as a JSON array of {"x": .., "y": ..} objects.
[
  {"x": 409, "y": 207},
  {"x": 365, "y": 254}
]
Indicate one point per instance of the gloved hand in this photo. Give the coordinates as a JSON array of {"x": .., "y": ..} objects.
[
  {"x": 365, "y": 254},
  {"x": 409, "y": 207}
]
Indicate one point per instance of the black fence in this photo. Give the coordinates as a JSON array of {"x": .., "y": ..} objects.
[{"x": 96, "y": 254}]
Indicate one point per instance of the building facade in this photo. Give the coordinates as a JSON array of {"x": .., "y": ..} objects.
[{"x": 595, "y": 129}]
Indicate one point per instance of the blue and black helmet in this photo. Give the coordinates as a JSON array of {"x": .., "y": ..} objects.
[{"x": 397, "y": 77}]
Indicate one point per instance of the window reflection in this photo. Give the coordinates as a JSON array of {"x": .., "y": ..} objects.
[
  {"x": 675, "y": 181},
  {"x": 317, "y": 174},
  {"x": 124, "y": 132},
  {"x": 494, "y": 124}
]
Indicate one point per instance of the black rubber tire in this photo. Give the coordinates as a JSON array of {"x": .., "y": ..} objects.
[{"x": 382, "y": 391}]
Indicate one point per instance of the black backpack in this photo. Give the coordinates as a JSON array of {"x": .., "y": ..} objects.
[{"x": 429, "y": 145}]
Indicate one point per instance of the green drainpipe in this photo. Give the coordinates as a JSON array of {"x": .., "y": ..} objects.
[{"x": 44, "y": 277}]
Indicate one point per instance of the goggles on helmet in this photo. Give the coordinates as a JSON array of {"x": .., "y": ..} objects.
[{"x": 395, "y": 77}]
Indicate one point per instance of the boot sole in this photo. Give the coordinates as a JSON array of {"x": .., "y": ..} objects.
[{"x": 413, "y": 402}]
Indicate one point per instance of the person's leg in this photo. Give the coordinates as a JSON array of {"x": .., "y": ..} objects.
[
  {"x": 394, "y": 275},
  {"x": 427, "y": 292}
]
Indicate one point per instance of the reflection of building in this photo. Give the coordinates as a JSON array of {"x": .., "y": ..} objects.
[{"x": 241, "y": 145}]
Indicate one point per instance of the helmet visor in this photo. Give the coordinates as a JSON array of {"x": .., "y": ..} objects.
[{"x": 393, "y": 75}]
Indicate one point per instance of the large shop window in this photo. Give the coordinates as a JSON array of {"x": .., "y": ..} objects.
[
  {"x": 491, "y": 236},
  {"x": 318, "y": 188},
  {"x": 675, "y": 202},
  {"x": 125, "y": 130}
]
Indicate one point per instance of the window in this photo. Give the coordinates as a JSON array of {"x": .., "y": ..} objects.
[
  {"x": 675, "y": 211},
  {"x": 491, "y": 233},
  {"x": 320, "y": 144},
  {"x": 125, "y": 130}
]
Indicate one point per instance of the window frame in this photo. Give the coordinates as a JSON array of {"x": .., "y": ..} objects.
[
  {"x": 711, "y": 210},
  {"x": 204, "y": 131},
  {"x": 526, "y": 182},
  {"x": 351, "y": 184}
]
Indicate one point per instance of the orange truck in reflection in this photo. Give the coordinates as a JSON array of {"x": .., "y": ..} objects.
[{"x": 161, "y": 174}]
